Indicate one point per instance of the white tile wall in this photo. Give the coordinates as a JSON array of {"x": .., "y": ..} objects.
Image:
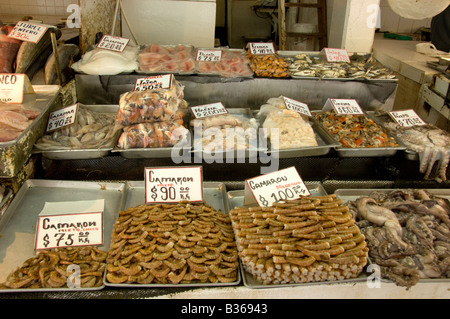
[
  {"x": 48, "y": 11},
  {"x": 392, "y": 22}
]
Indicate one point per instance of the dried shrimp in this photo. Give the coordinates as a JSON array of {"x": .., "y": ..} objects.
[
  {"x": 49, "y": 269},
  {"x": 305, "y": 240},
  {"x": 172, "y": 244}
]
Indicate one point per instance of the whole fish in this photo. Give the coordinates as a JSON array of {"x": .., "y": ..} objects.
[
  {"x": 8, "y": 50},
  {"x": 30, "y": 52},
  {"x": 66, "y": 55}
]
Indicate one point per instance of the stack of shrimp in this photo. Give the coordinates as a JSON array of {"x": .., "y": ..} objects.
[{"x": 152, "y": 118}]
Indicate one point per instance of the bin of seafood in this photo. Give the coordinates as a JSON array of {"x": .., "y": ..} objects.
[
  {"x": 93, "y": 135},
  {"x": 157, "y": 58},
  {"x": 268, "y": 65},
  {"x": 232, "y": 63},
  {"x": 23, "y": 269},
  {"x": 175, "y": 244},
  {"x": 425, "y": 143},
  {"x": 359, "y": 135},
  {"x": 297, "y": 136},
  {"x": 313, "y": 65},
  {"x": 309, "y": 240},
  {"x": 21, "y": 126},
  {"x": 407, "y": 231},
  {"x": 233, "y": 134},
  {"x": 152, "y": 121}
]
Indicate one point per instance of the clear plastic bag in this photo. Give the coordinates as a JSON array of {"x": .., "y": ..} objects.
[
  {"x": 233, "y": 63},
  {"x": 156, "y": 58}
]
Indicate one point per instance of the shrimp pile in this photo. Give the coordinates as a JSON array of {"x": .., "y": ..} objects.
[
  {"x": 354, "y": 131},
  {"x": 305, "y": 240},
  {"x": 268, "y": 65},
  {"x": 172, "y": 244},
  {"x": 49, "y": 269},
  {"x": 155, "y": 58}
]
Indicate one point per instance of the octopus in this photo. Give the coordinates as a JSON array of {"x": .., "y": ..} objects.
[
  {"x": 50, "y": 269},
  {"x": 431, "y": 143},
  {"x": 407, "y": 232},
  {"x": 309, "y": 239},
  {"x": 172, "y": 244}
]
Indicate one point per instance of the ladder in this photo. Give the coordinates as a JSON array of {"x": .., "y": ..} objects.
[{"x": 321, "y": 34}]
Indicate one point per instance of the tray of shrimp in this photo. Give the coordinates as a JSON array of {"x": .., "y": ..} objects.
[
  {"x": 23, "y": 268},
  {"x": 173, "y": 244},
  {"x": 359, "y": 135},
  {"x": 311, "y": 240}
]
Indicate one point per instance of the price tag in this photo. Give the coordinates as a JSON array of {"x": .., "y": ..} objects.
[
  {"x": 336, "y": 55},
  {"x": 208, "y": 55},
  {"x": 297, "y": 106},
  {"x": 261, "y": 48},
  {"x": 153, "y": 82},
  {"x": 208, "y": 110},
  {"x": 267, "y": 189},
  {"x": 407, "y": 118},
  {"x": 12, "y": 87},
  {"x": 343, "y": 106},
  {"x": 66, "y": 224},
  {"x": 26, "y": 31},
  {"x": 173, "y": 184},
  {"x": 62, "y": 118},
  {"x": 113, "y": 43}
]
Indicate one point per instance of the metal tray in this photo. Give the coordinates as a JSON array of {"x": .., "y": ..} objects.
[
  {"x": 243, "y": 114},
  {"x": 324, "y": 140},
  {"x": 83, "y": 153},
  {"x": 367, "y": 151},
  {"x": 7, "y": 197},
  {"x": 214, "y": 194},
  {"x": 18, "y": 223},
  {"x": 353, "y": 194},
  {"x": 15, "y": 153},
  {"x": 236, "y": 199}
]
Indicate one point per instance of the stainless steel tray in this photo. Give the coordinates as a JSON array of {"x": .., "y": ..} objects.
[
  {"x": 7, "y": 197},
  {"x": 15, "y": 153},
  {"x": 83, "y": 153},
  {"x": 154, "y": 152},
  {"x": 243, "y": 114},
  {"x": 353, "y": 194},
  {"x": 18, "y": 223},
  {"x": 367, "y": 151},
  {"x": 214, "y": 194},
  {"x": 236, "y": 199}
]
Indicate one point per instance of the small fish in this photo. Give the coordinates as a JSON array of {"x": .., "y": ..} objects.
[{"x": 66, "y": 55}]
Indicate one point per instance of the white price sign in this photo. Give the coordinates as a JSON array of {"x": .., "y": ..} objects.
[
  {"x": 113, "y": 43},
  {"x": 336, "y": 55},
  {"x": 346, "y": 106},
  {"x": 66, "y": 224},
  {"x": 153, "y": 82},
  {"x": 206, "y": 110},
  {"x": 285, "y": 184},
  {"x": 62, "y": 118},
  {"x": 12, "y": 87},
  {"x": 407, "y": 118},
  {"x": 209, "y": 55},
  {"x": 28, "y": 32},
  {"x": 173, "y": 184},
  {"x": 261, "y": 48},
  {"x": 297, "y": 106}
]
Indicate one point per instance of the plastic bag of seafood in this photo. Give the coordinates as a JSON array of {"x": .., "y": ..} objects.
[
  {"x": 305, "y": 240},
  {"x": 152, "y": 135},
  {"x": 156, "y": 58},
  {"x": 159, "y": 105},
  {"x": 94, "y": 129},
  {"x": 233, "y": 63}
]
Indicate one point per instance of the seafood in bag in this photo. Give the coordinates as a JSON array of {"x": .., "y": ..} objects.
[
  {"x": 156, "y": 58},
  {"x": 268, "y": 65},
  {"x": 294, "y": 129},
  {"x": 152, "y": 135},
  {"x": 354, "y": 131},
  {"x": 310, "y": 239},
  {"x": 233, "y": 63},
  {"x": 92, "y": 130},
  {"x": 159, "y": 105}
]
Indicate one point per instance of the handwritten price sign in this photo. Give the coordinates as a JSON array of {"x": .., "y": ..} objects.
[
  {"x": 206, "y": 110},
  {"x": 297, "y": 106},
  {"x": 209, "y": 55},
  {"x": 62, "y": 118},
  {"x": 173, "y": 184},
  {"x": 153, "y": 82},
  {"x": 113, "y": 43},
  {"x": 406, "y": 118},
  {"x": 336, "y": 55},
  {"x": 28, "y": 32},
  {"x": 346, "y": 106},
  {"x": 261, "y": 48}
]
